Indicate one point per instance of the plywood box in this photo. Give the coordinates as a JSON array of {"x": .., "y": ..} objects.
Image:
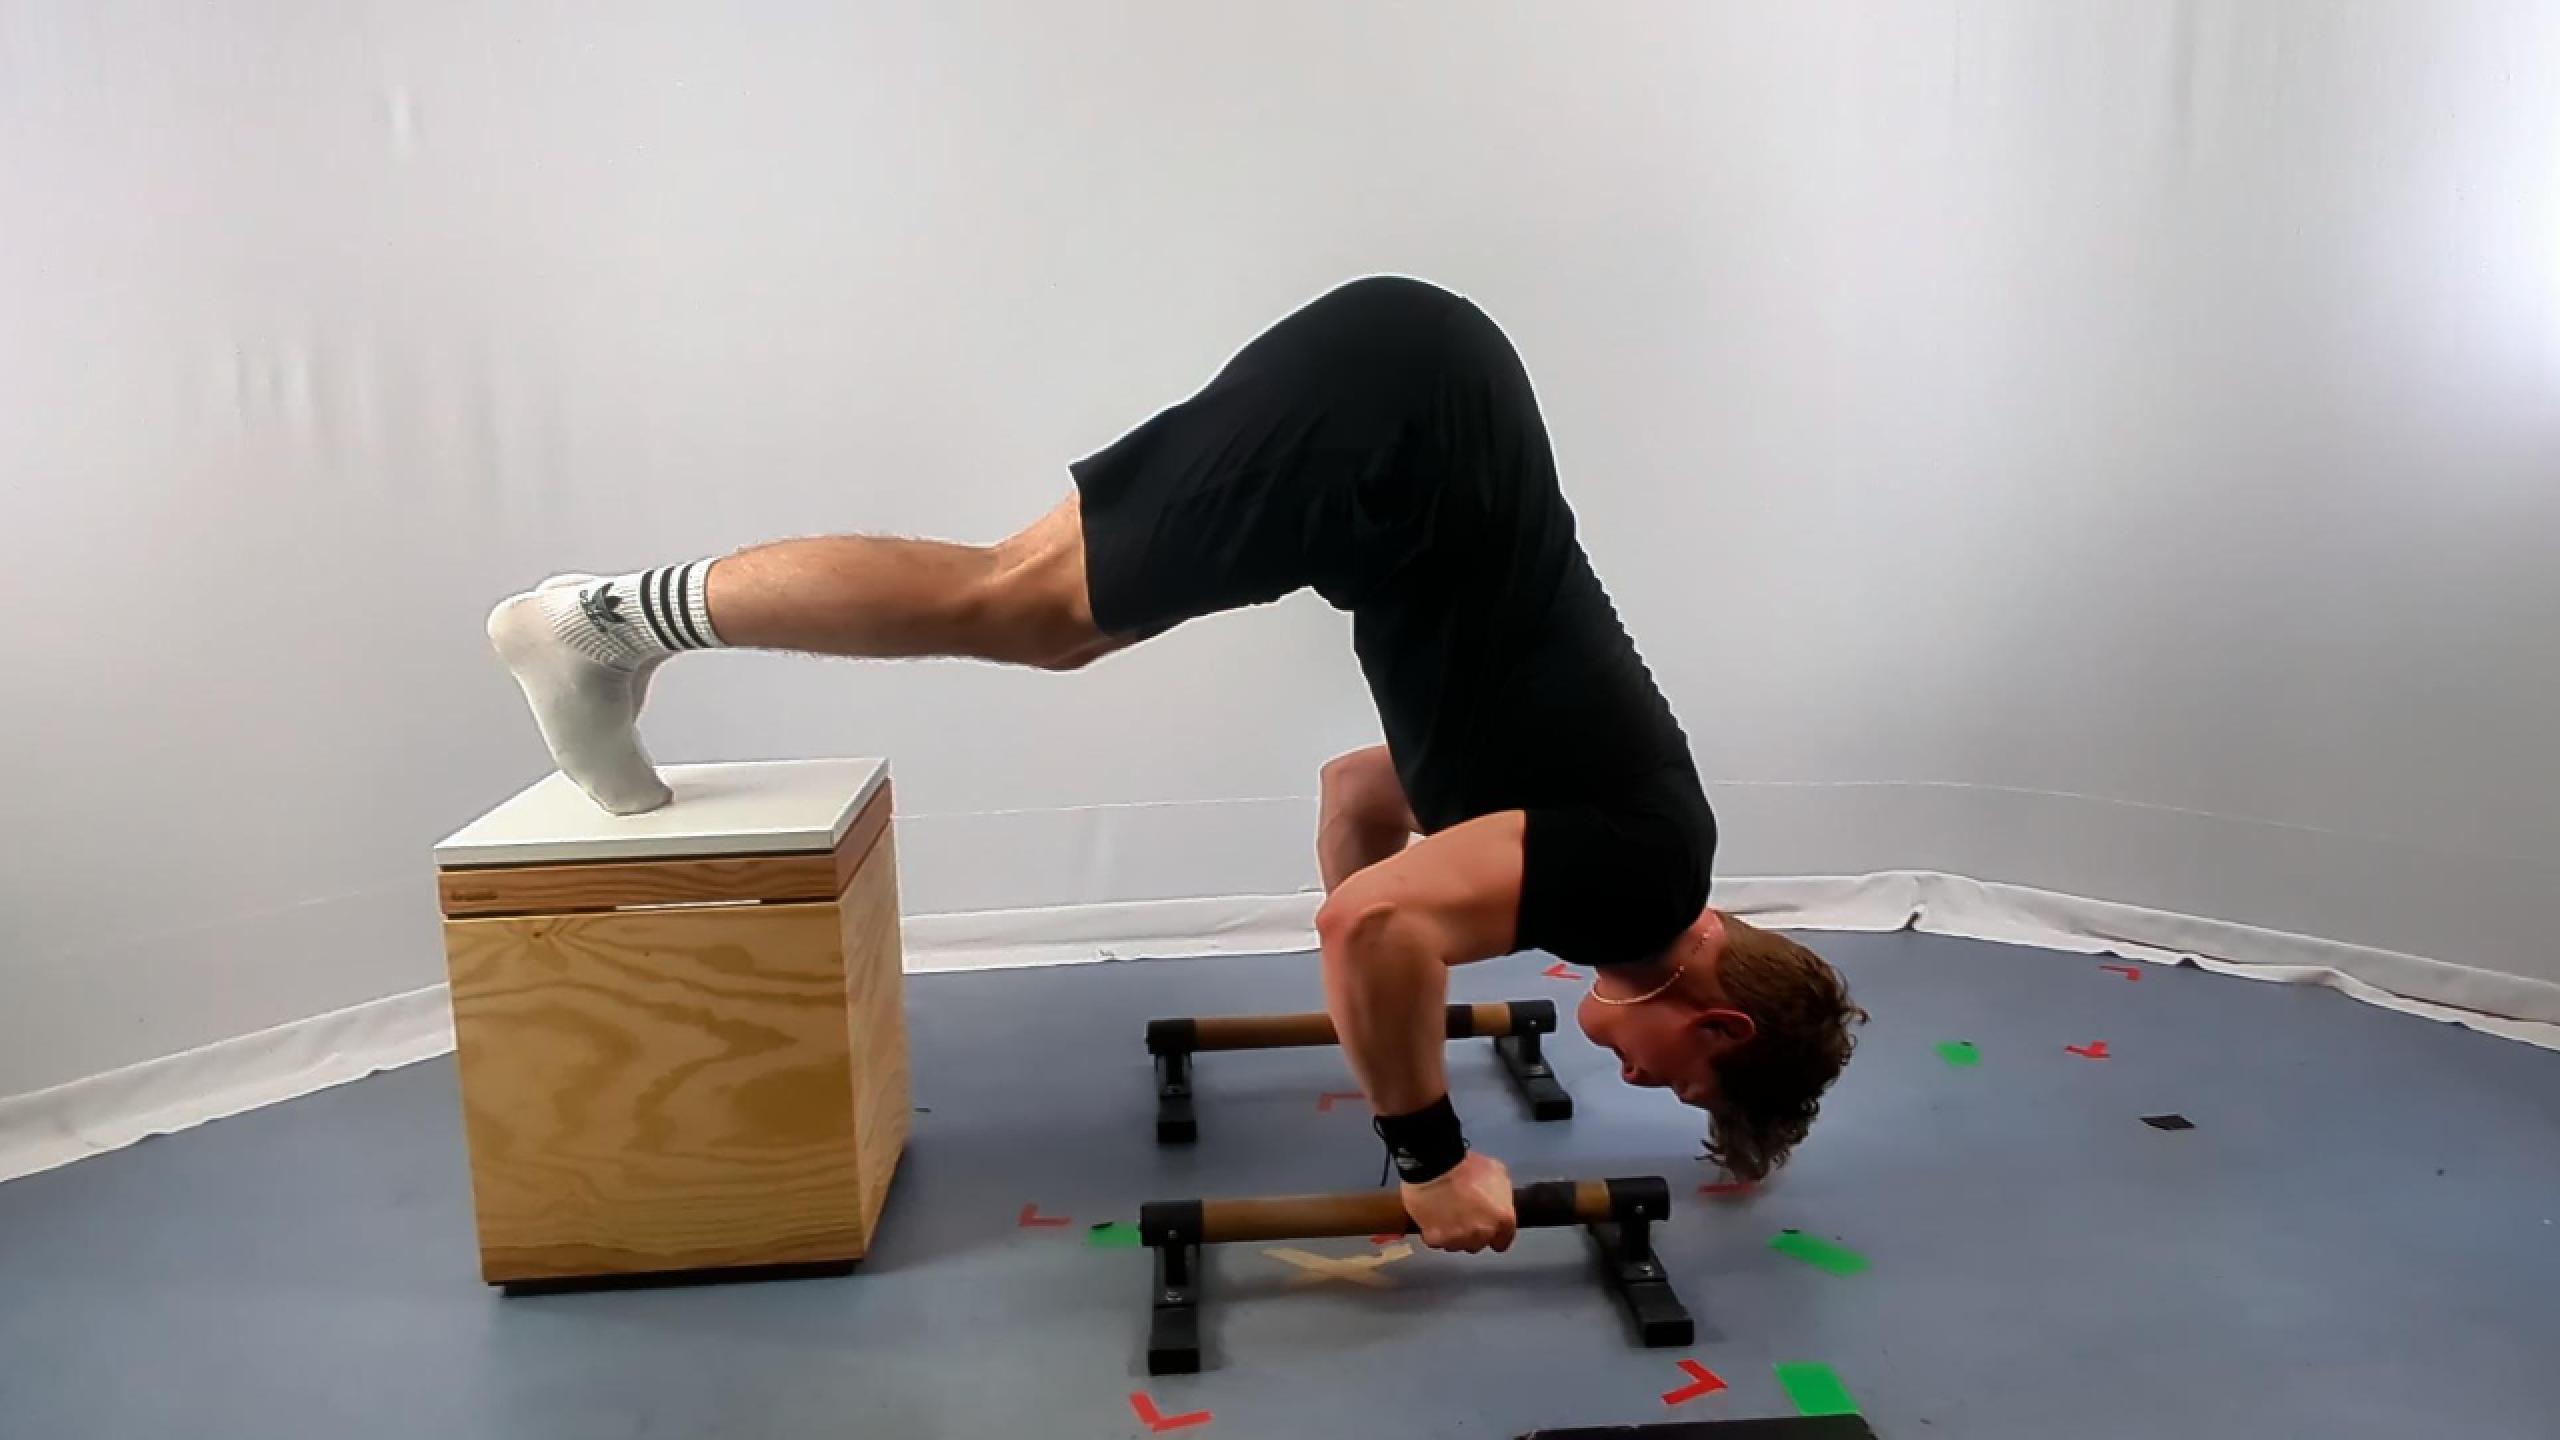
[{"x": 681, "y": 1035}]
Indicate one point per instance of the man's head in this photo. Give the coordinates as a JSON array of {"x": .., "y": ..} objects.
[{"x": 1747, "y": 1025}]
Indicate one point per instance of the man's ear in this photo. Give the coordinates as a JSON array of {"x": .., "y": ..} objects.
[{"x": 1731, "y": 1026}]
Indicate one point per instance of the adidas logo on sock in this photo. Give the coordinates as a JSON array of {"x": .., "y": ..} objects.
[{"x": 602, "y": 607}]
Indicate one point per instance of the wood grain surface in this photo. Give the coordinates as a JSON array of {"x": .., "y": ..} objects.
[
  {"x": 676, "y": 1089},
  {"x": 876, "y": 1018}
]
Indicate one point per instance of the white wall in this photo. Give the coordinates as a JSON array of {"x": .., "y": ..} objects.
[{"x": 2112, "y": 447}]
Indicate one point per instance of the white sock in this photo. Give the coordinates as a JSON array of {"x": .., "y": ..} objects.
[
  {"x": 582, "y": 650},
  {"x": 630, "y": 620}
]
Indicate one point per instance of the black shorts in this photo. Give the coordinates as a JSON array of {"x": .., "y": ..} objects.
[
  {"x": 1383, "y": 446},
  {"x": 1310, "y": 459}
]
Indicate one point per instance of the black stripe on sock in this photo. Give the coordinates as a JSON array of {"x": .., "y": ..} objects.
[
  {"x": 649, "y": 609},
  {"x": 684, "y": 605},
  {"x": 671, "y": 606}
]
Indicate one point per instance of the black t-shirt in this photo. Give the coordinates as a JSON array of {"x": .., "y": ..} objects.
[{"x": 1383, "y": 445}]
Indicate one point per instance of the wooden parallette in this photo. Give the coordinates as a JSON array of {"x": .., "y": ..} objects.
[
  {"x": 1617, "y": 1214},
  {"x": 1314, "y": 1028},
  {"x": 1512, "y": 1025}
]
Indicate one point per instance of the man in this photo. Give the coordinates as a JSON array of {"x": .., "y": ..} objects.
[{"x": 1381, "y": 445}]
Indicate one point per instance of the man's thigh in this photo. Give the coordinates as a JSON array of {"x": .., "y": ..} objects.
[{"x": 1042, "y": 584}]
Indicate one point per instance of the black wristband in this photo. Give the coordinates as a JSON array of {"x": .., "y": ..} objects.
[{"x": 1426, "y": 1144}]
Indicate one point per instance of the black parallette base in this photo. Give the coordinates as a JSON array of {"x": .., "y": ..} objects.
[
  {"x": 1175, "y": 1124},
  {"x": 678, "y": 1279},
  {"x": 1531, "y": 1077},
  {"x": 1634, "y": 1274},
  {"x": 1173, "y": 1335}
]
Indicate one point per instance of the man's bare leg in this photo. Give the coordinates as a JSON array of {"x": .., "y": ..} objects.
[
  {"x": 583, "y": 649},
  {"x": 1020, "y": 601}
]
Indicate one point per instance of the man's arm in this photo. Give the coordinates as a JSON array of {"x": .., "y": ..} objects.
[{"x": 1390, "y": 933}]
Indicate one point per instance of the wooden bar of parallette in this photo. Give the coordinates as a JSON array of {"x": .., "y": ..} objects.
[
  {"x": 1283, "y": 1032},
  {"x": 1542, "y": 1205},
  {"x": 476, "y": 890}
]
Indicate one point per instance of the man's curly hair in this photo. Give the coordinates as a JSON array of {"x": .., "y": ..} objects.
[{"x": 1771, "y": 1085}]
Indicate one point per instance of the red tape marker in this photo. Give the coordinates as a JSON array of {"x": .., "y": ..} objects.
[
  {"x": 1728, "y": 1187},
  {"x": 2127, "y": 971},
  {"x": 1032, "y": 1218},
  {"x": 1560, "y": 971},
  {"x": 1383, "y": 1241},
  {"x": 2094, "y": 1050},
  {"x": 1703, "y": 1382},
  {"x": 1325, "y": 1101},
  {"x": 1157, "y": 1420}
]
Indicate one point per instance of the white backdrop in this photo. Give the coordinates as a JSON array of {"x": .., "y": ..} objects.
[{"x": 2110, "y": 447}]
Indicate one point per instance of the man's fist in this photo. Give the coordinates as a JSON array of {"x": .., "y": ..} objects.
[{"x": 1467, "y": 1209}]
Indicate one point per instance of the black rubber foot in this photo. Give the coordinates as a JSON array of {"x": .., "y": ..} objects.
[
  {"x": 1174, "y": 1122},
  {"x": 1532, "y": 1078},
  {"x": 1174, "y": 1348},
  {"x": 1173, "y": 1332},
  {"x": 1634, "y": 1274}
]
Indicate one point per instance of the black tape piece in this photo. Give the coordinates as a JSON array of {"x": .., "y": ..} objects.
[
  {"x": 1643, "y": 1197},
  {"x": 1544, "y": 1203},
  {"x": 2168, "y": 1122},
  {"x": 1426, "y": 1144},
  {"x": 1169, "y": 1222}
]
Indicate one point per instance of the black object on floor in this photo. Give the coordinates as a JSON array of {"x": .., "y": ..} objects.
[
  {"x": 1512, "y": 1025},
  {"x": 1173, "y": 1330},
  {"x": 1176, "y": 1124},
  {"x": 2168, "y": 1122},
  {"x": 1787, "y": 1427}
]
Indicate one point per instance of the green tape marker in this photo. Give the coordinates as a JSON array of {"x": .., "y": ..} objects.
[
  {"x": 1959, "y": 1053},
  {"x": 1817, "y": 1252},
  {"x": 1112, "y": 1235},
  {"x": 1816, "y": 1390}
]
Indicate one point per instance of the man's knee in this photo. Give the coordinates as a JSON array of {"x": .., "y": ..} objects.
[{"x": 1353, "y": 920}]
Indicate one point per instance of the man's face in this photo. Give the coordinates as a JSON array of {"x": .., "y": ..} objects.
[{"x": 1664, "y": 1043}]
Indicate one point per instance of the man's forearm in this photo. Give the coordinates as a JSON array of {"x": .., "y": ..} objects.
[{"x": 1388, "y": 991}]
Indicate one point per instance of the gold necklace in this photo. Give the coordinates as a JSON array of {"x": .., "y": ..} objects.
[{"x": 1676, "y": 972}]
